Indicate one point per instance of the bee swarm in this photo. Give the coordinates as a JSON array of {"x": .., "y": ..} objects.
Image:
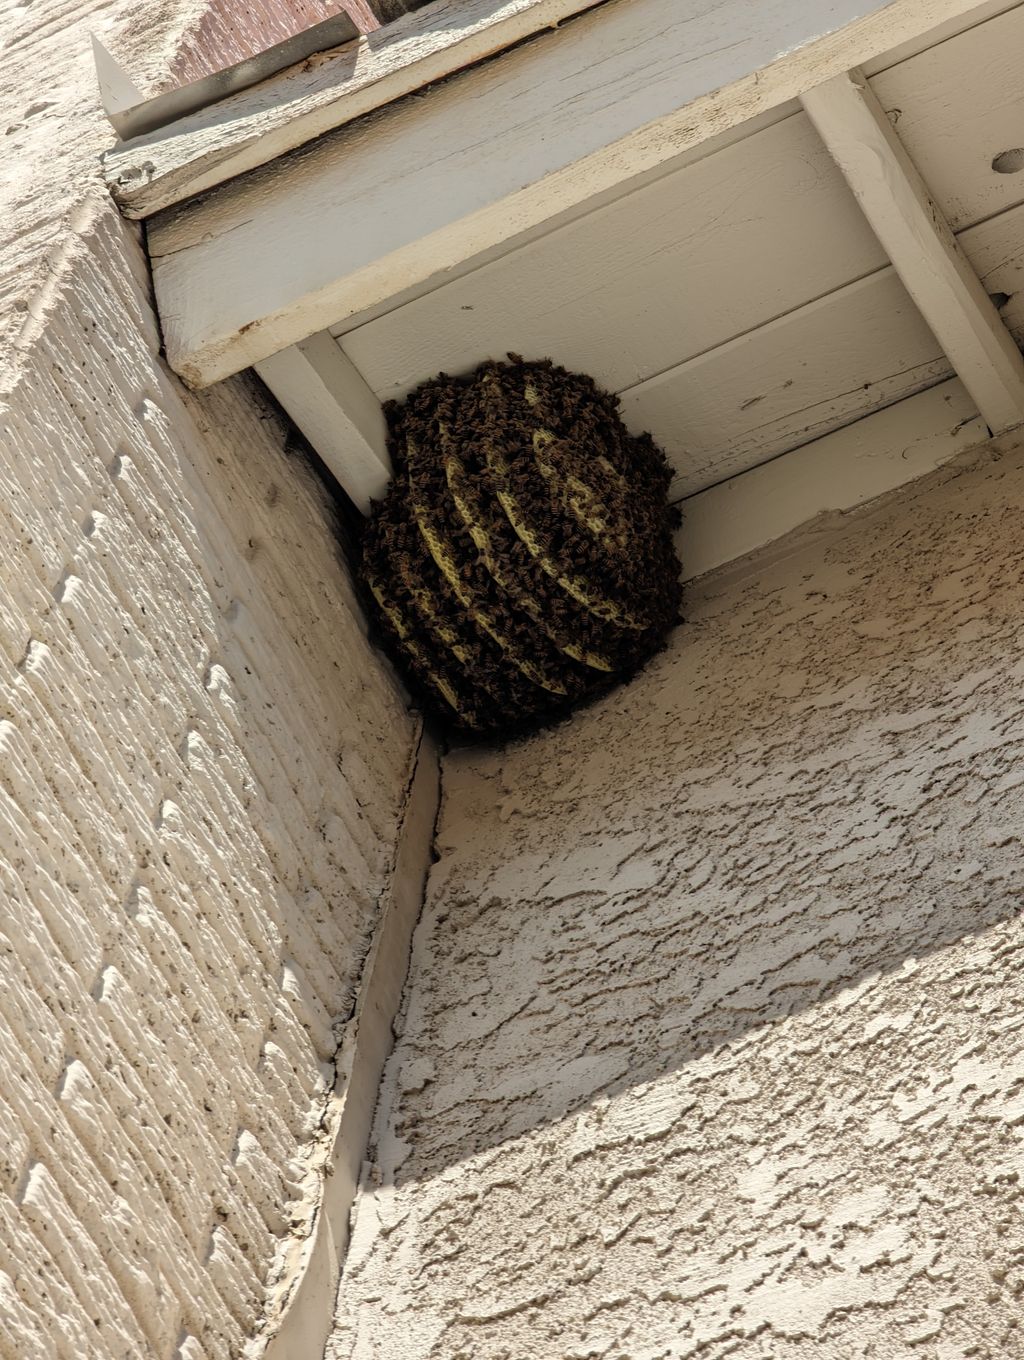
[{"x": 522, "y": 560}]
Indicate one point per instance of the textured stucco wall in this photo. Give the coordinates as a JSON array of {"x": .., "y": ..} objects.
[
  {"x": 714, "y": 1039},
  {"x": 53, "y": 134},
  {"x": 203, "y": 768}
]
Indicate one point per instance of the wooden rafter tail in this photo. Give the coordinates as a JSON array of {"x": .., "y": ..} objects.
[{"x": 918, "y": 240}]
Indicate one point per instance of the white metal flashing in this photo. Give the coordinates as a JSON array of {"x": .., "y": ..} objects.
[
  {"x": 300, "y": 1308},
  {"x": 132, "y": 115}
]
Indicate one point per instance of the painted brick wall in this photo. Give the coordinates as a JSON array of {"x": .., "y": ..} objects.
[
  {"x": 714, "y": 1040},
  {"x": 202, "y": 769}
]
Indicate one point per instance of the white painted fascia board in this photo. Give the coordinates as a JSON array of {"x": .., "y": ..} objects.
[
  {"x": 322, "y": 93},
  {"x": 395, "y": 201}
]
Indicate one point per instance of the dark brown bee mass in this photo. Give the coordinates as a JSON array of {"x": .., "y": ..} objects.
[{"x": 522, "y": 560}]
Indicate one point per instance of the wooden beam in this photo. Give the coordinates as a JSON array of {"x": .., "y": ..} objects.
[
  {"x": 325, "y": 395},
  {"x": 833, "y": 474},
  {"x": 394, "y": 202},
  {"x": 320, "y": 94},
  {"x": 921, "y": 246}
]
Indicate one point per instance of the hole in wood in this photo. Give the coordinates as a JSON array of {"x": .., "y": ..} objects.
[
  {"x": 1009, "y": 162},
  {"x": 1000, "y": 299}
]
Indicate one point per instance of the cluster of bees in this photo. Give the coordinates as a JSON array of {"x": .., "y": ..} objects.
[{"x": 522, "y": 560}]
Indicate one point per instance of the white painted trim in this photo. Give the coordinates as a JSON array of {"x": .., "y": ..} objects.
[
  {"x": 921, "y": 246},
  {"x": 835, "y": 473},
  {"x": 324, "y": 393},
  {"x": 702, "y": 151},
  {"x": 963, "y": 23},
  {"x": 324, "y": 92},
  {"x": 300, "y": 1311},
  {"x": 395, "y": 201}
]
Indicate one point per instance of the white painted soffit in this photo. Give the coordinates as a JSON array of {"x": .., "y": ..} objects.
[
  {"x": 256, "y": 271},
  {"x": 394, "y": 202}
]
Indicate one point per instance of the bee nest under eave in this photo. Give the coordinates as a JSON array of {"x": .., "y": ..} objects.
[{"x": 522, "y": 560}]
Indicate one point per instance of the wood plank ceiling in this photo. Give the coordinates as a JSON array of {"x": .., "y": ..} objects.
[
  {"x": 738, "y": 267},
  {"x": 741, "y": 305}
]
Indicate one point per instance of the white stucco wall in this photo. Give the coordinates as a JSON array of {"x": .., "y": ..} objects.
[
  {"x": 712, "y": 1045},
  {"x": 203, "y": 769}
]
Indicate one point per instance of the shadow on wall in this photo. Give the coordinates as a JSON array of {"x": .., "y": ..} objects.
[{"x": 817, "y": 788}]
